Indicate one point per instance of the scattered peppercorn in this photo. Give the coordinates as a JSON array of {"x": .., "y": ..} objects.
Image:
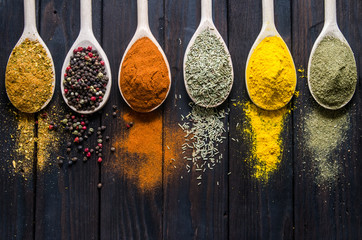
[
  {"x": 113, "y": 149},
  {"x": 99, "y": 185}
]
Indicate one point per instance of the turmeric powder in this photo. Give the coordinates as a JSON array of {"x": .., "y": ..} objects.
[
  {"x": 265, "y": 128},
  {"x": 270, "y": 74},
  {"x": 144, "y": 79}
]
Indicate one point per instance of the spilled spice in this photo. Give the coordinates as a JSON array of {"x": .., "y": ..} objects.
[
  {"x": 140, "y": 151},
  {"x": 204, "y": 132},
  {"x": 325, "y": 131},
  {"x": 264, "y": 128},
  {"x": 29, "y": 76},
  {"x": 25, "y": 139}
]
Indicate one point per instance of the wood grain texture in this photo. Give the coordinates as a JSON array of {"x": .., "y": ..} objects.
[
  {"x": 327, "y": 211},
  {"x": 257, "y": 210},
  {"x": 191, "y": 210},
  {"x": 126, "y": 212},
  {"x": 229, "y": 204},
  {"x": 67, "y": 198}
]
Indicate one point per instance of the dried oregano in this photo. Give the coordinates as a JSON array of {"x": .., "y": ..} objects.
[{"x": 208, "y": 70}]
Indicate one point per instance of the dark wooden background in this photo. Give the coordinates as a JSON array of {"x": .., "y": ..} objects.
[{"x": 66, "y": 204}]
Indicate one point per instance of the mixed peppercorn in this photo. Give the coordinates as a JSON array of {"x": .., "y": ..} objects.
[{"x": 85, "y": 80}]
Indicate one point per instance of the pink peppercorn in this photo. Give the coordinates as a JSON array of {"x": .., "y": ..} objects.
[
  {"x": 102, "y": 63},
  {"x": 89, "y": 154},
  {"x": 89, "y": 48},
  {"x": 93, "y": 98},
  {"x": 82, "y": 123},
  {"x": 65, "y": 91},
  {"x": 100, "y": 145},
  {"x": 86, "y": 150},
  {"x": 90, "y": 54},
  {"x": 80, "y": 49},
  {"x": 84, "y": 128},
  {"x": 100, "y": 159}
]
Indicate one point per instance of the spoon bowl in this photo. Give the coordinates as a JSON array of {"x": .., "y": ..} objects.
[
  {"x": 30, "y": 32},
  {"x": 330, "y": 29},
  {"x": 268, "y": 30},
  {"x": 206, "y": 22},
  {"x": 143, "y": 30},
  {"x": 86, "y": 38}
]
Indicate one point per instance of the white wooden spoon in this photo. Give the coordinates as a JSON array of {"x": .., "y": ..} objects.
[
  {"x": 330, "y": 28},
  {"x": 86, "y": 38},
  {"x": 206, "y": 22},
  {"x": 268, "y": 29},
  {"x": 143, "y": 30},
  {"x": 30, "y": 32}
]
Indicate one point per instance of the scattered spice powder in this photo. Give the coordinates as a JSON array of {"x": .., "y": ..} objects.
[
  {"x": 25, "y": 139},
  {"x": 29, "y": 76},
  {"x": 325, "y": 130},
  {"x": 139, "y": 154},
  {"x": 270, "y": 74},
  {"x": 265, "y": 129},
  {"x": 144, "y": 79}
]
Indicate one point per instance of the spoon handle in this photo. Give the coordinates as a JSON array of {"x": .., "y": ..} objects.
[
  {"x": 206, "y": 10},
  {"x": 330, "y": 15},
  {"x": 86, "y": 16},
  {"x": 142, "y": 14},
  {"x": 268, "y": 12},
  {"x": 29, "y": 16}
]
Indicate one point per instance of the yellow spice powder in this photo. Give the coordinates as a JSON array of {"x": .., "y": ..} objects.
[
  {"x": 270, "y": 74},
  {"x": 265, "y": 128}
]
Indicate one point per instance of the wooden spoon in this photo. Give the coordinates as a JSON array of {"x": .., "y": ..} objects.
[
  {"x": 268, "y": 30},
  {"x": 30, "y": 32},
  {"x": 330, "y": 28},
  {"x": 206, "y": 22},
  {"x": 143, "y": 30},
  {"x": 86, "y": 38}
]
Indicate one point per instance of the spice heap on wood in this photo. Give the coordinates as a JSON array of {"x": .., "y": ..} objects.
[
  {"x": 29, "y": 77},
  {"x": 85, "y": 80},
  {"x": 333, "y": 73},
  {"x": 144, "y": 78},
  {"x": 270, "y": 74},
  {"x": 208, "y": 70}
]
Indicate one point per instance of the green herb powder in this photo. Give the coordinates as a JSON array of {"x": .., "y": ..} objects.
[
  {"x": 325, "y": 130},
  {"x": 208, "y": 70},
  {"x": 333, "y": 73}
]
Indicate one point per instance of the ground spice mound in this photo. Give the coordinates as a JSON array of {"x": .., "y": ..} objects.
[
  {"x": 144, "y": 79},
  {"x": 325, "y": 131},
  {"x": 140, "y": 151},
  {"x": 29, "y": 76},
  {"x": 333, "y": 73},
  {"x": 265, "y": 128},
  {"x": 270, "y": 74}
]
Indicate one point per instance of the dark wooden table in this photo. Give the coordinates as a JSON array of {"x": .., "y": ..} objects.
[{"x": 66, "y": 203}]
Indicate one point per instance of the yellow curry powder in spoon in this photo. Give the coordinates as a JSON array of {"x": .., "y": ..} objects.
[
  {"x": 270, "y": 74},
  {"x": 29, "y": 76}
]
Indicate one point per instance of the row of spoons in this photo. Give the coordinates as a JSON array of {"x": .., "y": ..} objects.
[{"x": 87, "y": 38}]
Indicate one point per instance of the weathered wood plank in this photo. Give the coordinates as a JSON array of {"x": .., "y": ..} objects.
[
  {"x": 191, "y": 211},
  {"x": 17, "y": 194},
  {"x": 257, "y": 210},
  {"x": 330, "y": 210},
  {"x": 67, "y": 201},
  {"x": 126, "y": 211}
]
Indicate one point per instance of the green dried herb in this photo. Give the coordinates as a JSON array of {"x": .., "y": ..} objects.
[
  {"x": 325, "y": 130},
  {"x": 204, "y": 128},
  {"x": 333, "y": 73},
  {"x": 208, "y": 70},
  {"x": 29, "y": 76}
]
